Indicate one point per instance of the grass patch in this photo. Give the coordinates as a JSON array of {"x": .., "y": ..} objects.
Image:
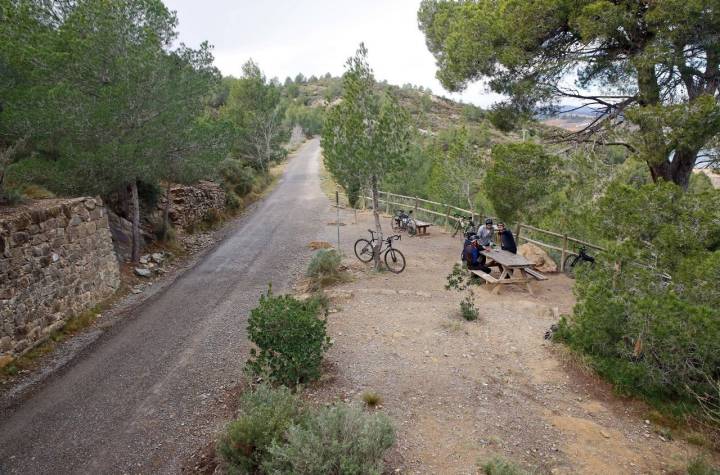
[
  {"x": 500, "y": 466},
  {"x": 700, "y": 466},
  {"x": 325, "y": 269},
  {"x": 37, "y": 192},
  {"x": 452, "y": 326},
  {"x": 371, "y": 398},
  {"x": 698, "y": 439}
]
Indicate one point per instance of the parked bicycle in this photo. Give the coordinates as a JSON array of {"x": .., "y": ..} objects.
[
  {"x": 403, "y": 221},
  {"x": 464, "y": 223},
  {"x": 572, "y": 263},
  {"x": 393, "y": 258}
]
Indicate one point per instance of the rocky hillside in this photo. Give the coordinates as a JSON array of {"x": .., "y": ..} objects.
[{"x": 431, "y": 113}]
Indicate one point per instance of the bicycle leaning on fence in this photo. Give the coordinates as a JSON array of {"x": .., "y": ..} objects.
[
  {"x": 403, "y": 221},
  {"x": 393, "y": 258},
  {"x": 573, "y": 262},
  {"x": 464, "y": 223}
]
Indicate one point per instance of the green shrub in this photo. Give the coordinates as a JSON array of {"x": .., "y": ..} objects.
[
  {"x": 237, "y": 176},
  {"x": 652, "y": 324},
  {"x": 265, "y": 416},
  {"x": 290, "y": 339},
  {"x": 468, "y": 310},
  {"x": 10, "y": 196},
  {"x": 520, "y": 178},
  {"x": 337, "y": 439},
  {"x": 232, "y": 200},
  {"x": 213, "y": 217},
  {"x": 700, "y": 466},
  {"x": 324, "y": 267},
  {"x": 500, "y": 466},
  {"x": 371, "y": 398},
  {"x": 459, "y": 279}
]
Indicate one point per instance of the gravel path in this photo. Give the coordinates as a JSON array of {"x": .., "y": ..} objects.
[{"x": 145, "y": 396}]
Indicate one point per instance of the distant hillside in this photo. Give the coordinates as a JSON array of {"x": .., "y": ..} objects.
[
  {"x": 431, "y": 113},
  {"x": 570, "y": 118}
]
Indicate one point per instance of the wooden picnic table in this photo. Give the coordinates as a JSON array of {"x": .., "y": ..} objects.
[
  {"x": 512, "y": 269},
  {"x": 422, "y": 226}
]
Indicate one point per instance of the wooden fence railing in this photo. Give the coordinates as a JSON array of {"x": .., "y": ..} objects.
[
  {"x": 437, "y": 210},
  {"x": 445, "y": 213}
]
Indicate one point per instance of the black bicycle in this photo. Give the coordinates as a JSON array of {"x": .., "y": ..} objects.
[
  {"x": 464, "y": 223},
  {"x": 572, "y": 262},
  {"x": 403, "y": 221},
  {"x": 393, "y": 258}
]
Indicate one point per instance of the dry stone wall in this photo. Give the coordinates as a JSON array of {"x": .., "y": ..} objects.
[
  {"x": 189, "y": 205},
  {"x": 56, "y": 261}
]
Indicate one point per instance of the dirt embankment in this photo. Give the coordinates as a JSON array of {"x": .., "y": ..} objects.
[{"x": 460, "y": 392}]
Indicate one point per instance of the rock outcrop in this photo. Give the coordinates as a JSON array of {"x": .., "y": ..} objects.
[
  {"x": 540, "y": 259},
  {"x": 56, "y": 261}
]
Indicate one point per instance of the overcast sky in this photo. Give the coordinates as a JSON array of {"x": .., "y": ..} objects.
[{"x": 287, "y": 37}]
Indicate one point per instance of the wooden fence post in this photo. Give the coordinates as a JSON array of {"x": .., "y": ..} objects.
[
  {"x": 517, "y": 232},
  {"x": 564, "y": 253},
  {"x": 416, "y": 206},
  {"x": 387, "y": 202},
  {"x": 447, "y": 217}
]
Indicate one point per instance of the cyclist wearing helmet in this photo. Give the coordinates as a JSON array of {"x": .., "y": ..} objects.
[{"x": 485, "y": 233}]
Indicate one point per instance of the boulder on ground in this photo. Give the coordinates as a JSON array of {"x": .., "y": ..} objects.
[
  {"x": 142, "y": 272},
  {"x": 538, "y": 257}
]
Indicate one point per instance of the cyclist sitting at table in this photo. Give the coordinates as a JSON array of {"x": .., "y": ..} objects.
[
  {"x": 472, "y": 256},
  {"x": 485, "y": 233},
  {"x": 507, "y": 241}
]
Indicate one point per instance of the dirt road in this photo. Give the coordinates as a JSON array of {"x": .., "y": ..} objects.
[{"x": 144, "y": 396}]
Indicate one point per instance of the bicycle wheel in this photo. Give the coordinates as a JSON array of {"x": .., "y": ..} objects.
[
  {"x": 394, "y": 261},
  {"x": 363, "y": 250},
  {"x": 569, "y": 266}
]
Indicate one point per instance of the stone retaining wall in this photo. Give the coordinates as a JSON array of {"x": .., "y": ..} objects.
[{"x": 56, "y": 261}]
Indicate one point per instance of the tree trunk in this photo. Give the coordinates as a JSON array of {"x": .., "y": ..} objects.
[
  {"x": 166, "y": 214},
  {"x": 135, "y": 210},
  {"x": 677, "y": 171},
  {"x": 376, "y": 215}
]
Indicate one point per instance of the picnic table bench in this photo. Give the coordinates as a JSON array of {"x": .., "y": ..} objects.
[
  {"x": 422, "y": 226},
  {"x": 514, "y": 269}
]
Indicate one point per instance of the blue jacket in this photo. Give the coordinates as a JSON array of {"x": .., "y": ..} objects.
[{"x": 471, "y": 254}]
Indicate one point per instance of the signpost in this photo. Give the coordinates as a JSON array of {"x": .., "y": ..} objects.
[{"x": 337, "y": 220}]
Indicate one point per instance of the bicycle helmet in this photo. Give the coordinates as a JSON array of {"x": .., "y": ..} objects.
[{"x": 488, "y": 221}]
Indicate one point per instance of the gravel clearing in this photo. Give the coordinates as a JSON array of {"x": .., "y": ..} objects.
[{"x": 460, "y": 392}]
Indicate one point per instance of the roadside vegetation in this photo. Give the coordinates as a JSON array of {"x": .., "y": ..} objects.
[
  {"x": 98, "y": 99},
  {"x": 275, "y": 431},
  {"x": 290, "y": 338},
  {"x": 325, "y": 269}
]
